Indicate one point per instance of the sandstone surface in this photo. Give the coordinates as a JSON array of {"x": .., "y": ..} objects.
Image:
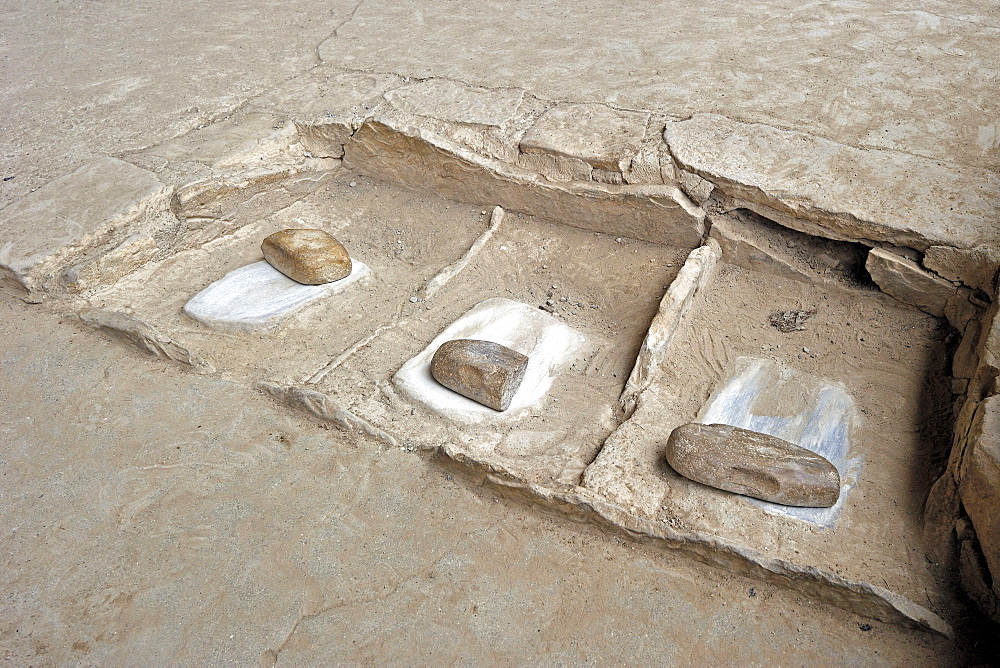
[
  {"x": 980, "y": 484},
  {"x": 307, "y": 256},
  {"x": 758, "y": 465},
  {"x": 601, "y": 136},
  {"x": 828, "y": 189},
  {"x": 73, "y": 215},
  {"x": 905, "y": 280},
  {"x": 483, "y": 371}
]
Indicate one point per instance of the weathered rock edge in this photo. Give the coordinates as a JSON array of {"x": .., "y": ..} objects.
[{"x": 585, "y": 505}]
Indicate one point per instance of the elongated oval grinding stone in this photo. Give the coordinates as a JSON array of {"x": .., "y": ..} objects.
[
  {"x": 307, "y": 256},
  {"x": 483, "y": 371},
  {"x": 758, "y": 465}
]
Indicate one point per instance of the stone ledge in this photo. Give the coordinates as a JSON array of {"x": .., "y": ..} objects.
[
  {"x": 92, "y": 209},
  {"x": 827, "y": 189}
]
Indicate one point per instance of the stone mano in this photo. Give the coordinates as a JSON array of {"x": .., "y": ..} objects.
[
  {"x": 483, "y": 371},
  {"x": 748, "y": 462},
  {"x": 308, "y": 256}
]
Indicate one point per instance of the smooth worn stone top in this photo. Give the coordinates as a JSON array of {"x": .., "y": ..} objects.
[
  {"x": 308, "y": 256},
  {"x": 595, "y": 133},
  {"x": 483, "y": 371},
  {"x": 840, "y": 191},
  {"x": 758, "y": 465}
]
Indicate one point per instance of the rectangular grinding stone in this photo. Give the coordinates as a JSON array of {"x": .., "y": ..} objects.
[
  {"x": 258, "y": 297},
  {"x": 547, "y": 342},
  {"x": 765, "y": 396}
]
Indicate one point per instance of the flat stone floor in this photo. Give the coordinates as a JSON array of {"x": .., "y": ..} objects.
[{"x": 154, "y": 514}]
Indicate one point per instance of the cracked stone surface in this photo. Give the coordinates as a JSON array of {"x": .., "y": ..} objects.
[{"x": 126, "y": 496}]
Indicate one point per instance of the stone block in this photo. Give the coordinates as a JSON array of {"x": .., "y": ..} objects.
[
  {"x": 483, "y": 371},
  {"x": 94, "y": 207},
  {"x": 906, "y": 281},
  {"x": 258, "y": 298},
  {"x": 307, "y": 256},
  {"x": 828, "y": 189},
  {"x": 754, "y": 464},
  {"x": 594, "y": 133},
  {"x": 548, "y": 344},
  {"x": 980, "y": 482},
  {"x": 420, "y": 160},
  {"x": 457, "y": 102}
]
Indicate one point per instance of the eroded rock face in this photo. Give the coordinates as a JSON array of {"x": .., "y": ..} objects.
[
  {"x": 483, "y": 371},
  {"x": 754, "y": 464},
  {"x": 905, "y": 280},
  {"x": 308, "y": 256}
]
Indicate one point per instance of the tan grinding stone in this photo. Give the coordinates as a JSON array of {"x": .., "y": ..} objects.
[
  {"x": 758, "y": 465},
  {"x": 307, "y": 256},
  {"x": 484, "y": 371}
]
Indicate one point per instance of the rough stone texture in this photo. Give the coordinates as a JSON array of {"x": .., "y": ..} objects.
[
  {"x": 131, "y": 254},
  {"x": 417, "y": 159},
  {"x": 142, "y": 335},
  {"x": 906, "y": 281},
  {"x": 603, "y": 137},
  {"x": 980, "y": 482},
  {"x": 457, "y": 102},
  {"x": 757, "y": 244},
  {"x": 308, "y": 256},
  {"x": 976, "y": 267},
  {"x": 693, "y": 276},
  {"x": 483, "y": 371},
  {"x": 832, "y": 190},
  {"x": 754, "y": 464},
  {"x": 90, "y": 209}
]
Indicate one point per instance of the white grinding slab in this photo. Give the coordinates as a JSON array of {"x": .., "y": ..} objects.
[
  {"x": 767, "y": 397},
  {"x": 258, "y": 297},
  {"x": 548, "y": 343}
]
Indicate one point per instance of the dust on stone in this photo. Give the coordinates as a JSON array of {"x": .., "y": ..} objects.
[{"x": 790, "y": 321}]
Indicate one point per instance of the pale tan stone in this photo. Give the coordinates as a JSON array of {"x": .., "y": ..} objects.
[
  {"x": 595, "y": 133},
  {"x": 980, "y": 482},
  {"x": 77, "y": 214},
  {"x": 307, "y": 256},
  {"x": 828, "y": 189},
  {"x": 754, "y": 464},
  {"x": 905, "y": 280},
  {"x": 454, "y": 101}
]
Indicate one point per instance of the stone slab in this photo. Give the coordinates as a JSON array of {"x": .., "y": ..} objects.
[
  {"x": 548, "y": 343},
  {"x": 765, "y": 396},
  {"x": 692, "y": 277},
  {"x": 416, "y": 158},
  {"x": 980, "y": 483},
  {"x": 457, "y": 102},
  {"x": 837, "y": 191},
  {"x": 597, "y": 134},
  {"x": 905, "y": 280},
  {"x": 71, "y": 215},
  {"x": 258, "y": 297}
]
